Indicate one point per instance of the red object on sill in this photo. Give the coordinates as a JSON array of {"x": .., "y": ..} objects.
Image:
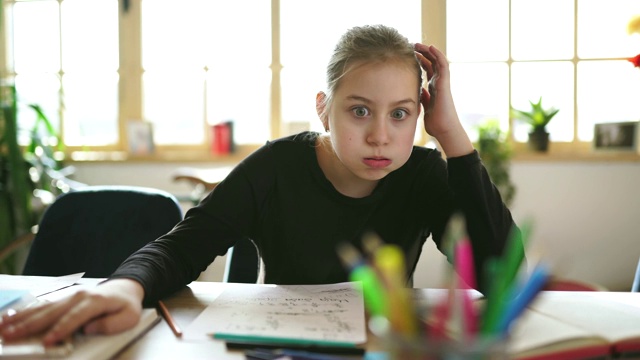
[
  {"x": 635, "y": 60},
  {"x": 222, "y": 138}
]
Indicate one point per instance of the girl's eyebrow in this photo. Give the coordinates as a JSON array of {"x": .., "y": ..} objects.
[{"x": 368, "y": 101}]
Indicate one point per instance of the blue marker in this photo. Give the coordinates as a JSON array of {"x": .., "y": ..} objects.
[{"x": 524, "y": 297}]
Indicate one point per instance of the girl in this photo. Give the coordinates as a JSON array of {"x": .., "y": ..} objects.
[{"x": 298, "y": 197}]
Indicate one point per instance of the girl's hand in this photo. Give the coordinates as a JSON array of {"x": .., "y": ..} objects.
[
  {"x": 111, "y": 307},
  {"x": 440, "y": 116}
]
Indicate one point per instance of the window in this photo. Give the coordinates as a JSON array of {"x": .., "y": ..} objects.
[
  {"x": 572, "y": 53},
  {"x": 185, "y": 66},
  {"x": 68, "y": 47}
]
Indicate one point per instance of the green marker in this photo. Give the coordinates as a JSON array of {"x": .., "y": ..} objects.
[{"x": 372, "y": 290}]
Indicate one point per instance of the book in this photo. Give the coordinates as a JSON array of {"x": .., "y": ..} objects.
[
  {"x": 576, "y": 325},
  {"x": 96, "y": 347}
]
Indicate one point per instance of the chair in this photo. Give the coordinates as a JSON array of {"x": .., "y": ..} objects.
[
  {"x": 95, "y": 228},
  {"x": 636, "y": 280},
  {"x": 242, "y": 259},
  {"x": 565, "y": 284},
  {"x": 242, "y": 263}
]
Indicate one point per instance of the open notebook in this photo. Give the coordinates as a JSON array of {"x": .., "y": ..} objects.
[
  {"x": 95, "y": 347},
  {"x": 576, "y": 325}
]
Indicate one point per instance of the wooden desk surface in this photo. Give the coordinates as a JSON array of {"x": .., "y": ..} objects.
[{"x": 187, "y": 304}]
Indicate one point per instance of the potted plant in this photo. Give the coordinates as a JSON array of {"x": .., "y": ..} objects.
[
  {"x": 26, "y": 174},
  {"x": 538, "y": 117},
  {"x": 494, "y": 149}
]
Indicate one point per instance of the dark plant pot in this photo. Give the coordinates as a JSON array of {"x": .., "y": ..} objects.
[{"x": 539, "y": 140}]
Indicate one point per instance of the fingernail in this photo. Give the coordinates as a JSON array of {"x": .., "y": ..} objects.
[
  {"x": 10, "y": 330},
  {"x": 89, "y": 329},
  {"x": 50, "y": 338}
]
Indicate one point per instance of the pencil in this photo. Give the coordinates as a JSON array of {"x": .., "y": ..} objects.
[{"x": 169, "y": 319}]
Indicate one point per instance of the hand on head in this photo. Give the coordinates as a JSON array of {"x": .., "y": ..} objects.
[
  {"x": 440, "y": 116},
  {"x": 110, "y": 308}
]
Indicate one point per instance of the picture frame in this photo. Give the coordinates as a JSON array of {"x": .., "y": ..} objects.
[
  {"x": 140, "y": 138},
  {"x": 616, "y": 136}
]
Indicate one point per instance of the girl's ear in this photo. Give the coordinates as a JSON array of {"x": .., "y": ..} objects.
[{"x": 321, "y": 106}]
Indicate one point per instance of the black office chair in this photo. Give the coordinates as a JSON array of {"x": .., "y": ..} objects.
[
  {"x": 242, "y": 263},
  {"x": 636, "y": 280},
  {"x": 95, "y": 228}
]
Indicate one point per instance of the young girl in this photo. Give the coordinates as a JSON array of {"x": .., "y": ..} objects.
[{"x": 298, "y": 197}]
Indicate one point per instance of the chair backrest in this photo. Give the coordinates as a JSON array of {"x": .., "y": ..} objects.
[
  {"x": 95, "y": 228},
  {"x": 243, "y": 263},
  {"x": 636, "y": 280}
]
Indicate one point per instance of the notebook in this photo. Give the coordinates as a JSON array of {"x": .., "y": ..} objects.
[
  {"x": 95, "y": 347},
  {"x": 576, "y": 325}
]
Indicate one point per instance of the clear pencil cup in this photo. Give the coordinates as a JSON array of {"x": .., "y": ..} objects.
[{"x": 420, "y": 348}]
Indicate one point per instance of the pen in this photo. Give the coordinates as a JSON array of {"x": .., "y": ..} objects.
[
  {"x": 169, "y": 319},
  {"x": 314, "y": 348},
  {"x": 275, "y": 354}
]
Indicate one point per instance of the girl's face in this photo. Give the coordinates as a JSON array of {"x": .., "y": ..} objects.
[{"x": 372, "y": 118}]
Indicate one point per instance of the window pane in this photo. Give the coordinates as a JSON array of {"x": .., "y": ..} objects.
[
  {"x": 175, "y": 106},
  {"x": 477, "y": 30},
  {"x": 90, "y": 67},
  {"x": 91, "y": 103},
  {"x": 36, "y": 48},
  {"x": 542, "y": 29},
  {"x": 553, "y": 81},
  {"x": 602, "y": 29},
  {"x": 610, "y": 98},
  {"x": 481, "y": 92},
  {"x": 90, "y": 35},
  {"x": 228, "y": 64},
  {"x": 307, "y": 43},
  {"x": 40, "y": 89}
]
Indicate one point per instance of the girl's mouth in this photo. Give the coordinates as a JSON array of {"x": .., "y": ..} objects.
[{"x": 377, "y": 162}]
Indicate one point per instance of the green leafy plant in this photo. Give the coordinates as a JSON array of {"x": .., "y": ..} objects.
[
  {"x": 495, "y": 151},
  {"x": 26, "y": 175},
  {"x": 538, "y": 117}
]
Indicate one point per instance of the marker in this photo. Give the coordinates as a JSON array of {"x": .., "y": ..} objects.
[
  {"x": 505, "y": 273},
  {"x": 525, "y": 296},
  {"x": 389, "y": 261},
  {"x": 372, "y": 290}
]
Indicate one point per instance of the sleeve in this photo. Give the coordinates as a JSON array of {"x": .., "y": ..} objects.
[
  {"x": 208, "y": 230},
  {"x": 489, "y": 222}
]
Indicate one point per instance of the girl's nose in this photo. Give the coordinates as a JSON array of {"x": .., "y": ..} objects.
[{"x": 378, "y": 133}]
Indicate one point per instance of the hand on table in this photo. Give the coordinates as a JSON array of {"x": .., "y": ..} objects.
[{"x": 111, "y": 307}]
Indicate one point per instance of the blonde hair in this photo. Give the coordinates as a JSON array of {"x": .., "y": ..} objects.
[{"x": 369, "y": 43}]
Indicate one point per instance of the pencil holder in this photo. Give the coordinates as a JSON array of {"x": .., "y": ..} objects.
[{"x": 420, "y": 348}]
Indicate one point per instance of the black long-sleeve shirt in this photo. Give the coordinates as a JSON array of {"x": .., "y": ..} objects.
[{"x": 279, "y": 197}]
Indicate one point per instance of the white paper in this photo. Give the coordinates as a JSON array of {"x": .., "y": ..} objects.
[
  {"x": 37, "y": 285},
  {"x": 331, "y": 313}
]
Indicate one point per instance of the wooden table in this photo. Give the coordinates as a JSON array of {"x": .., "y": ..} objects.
[{"x": 187, "y": 304}]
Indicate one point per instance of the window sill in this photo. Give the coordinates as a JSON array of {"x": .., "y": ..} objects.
[
  {"x": 558, "y": 152},
  {"x": 571, "y": 152},
  {"x": 161, "y": 156}
]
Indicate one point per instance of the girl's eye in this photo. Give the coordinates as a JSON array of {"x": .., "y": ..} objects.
[
  {"x": 360, "y": 111},
  {"x": 398, "y": 114}
]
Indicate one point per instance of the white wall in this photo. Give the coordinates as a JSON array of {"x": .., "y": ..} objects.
[{"x": 586, "y": 215}]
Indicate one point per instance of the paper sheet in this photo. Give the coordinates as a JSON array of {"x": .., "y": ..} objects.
[
  {"x": 37, "y": 285},
  {"x": 330, "y": 313}
]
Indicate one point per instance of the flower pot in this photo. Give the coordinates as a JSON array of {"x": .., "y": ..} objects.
[{"x": 539, "y": 140}]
